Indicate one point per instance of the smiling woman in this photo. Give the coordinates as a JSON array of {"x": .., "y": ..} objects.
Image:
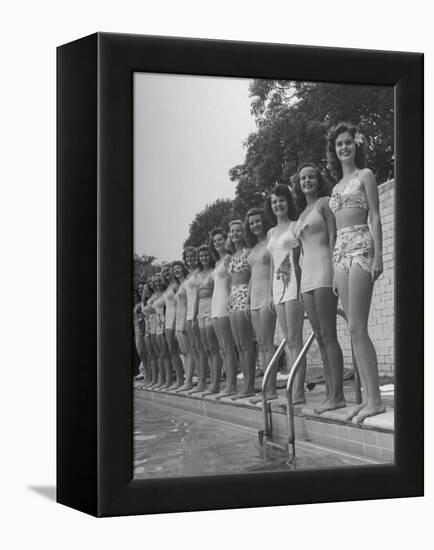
[
  {"x": 285, "y": 277},
  {"x": 358, "y": 255}
]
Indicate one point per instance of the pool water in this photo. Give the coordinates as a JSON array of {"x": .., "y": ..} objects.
[{"x": 173, "y": 443}]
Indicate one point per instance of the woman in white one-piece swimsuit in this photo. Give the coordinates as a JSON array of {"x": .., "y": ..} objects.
[
  {"x": 262, "y": 316},
  {"x": 220, "y": 310},
  {"x": 285, "y": 277}
]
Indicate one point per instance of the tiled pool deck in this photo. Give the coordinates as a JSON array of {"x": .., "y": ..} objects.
[{"x": 372, "y": 441}]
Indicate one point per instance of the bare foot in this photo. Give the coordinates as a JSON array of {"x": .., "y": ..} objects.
[
  {"x": 211, "y": 391},
  {"x": 354, "y": 411},
  {"x": 185, "y": 387},
  {"x": 330, "y": 405},
  {"x": 199, "y": 389},
  {"x": 369, "y": 410},
  {"x": 243, "y": 395},
  {"x": 226, "y": 393},
  {"x": 258, "y": 398}
]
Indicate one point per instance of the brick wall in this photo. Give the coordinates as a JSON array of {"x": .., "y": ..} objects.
[{"x": 381, "y": 318}]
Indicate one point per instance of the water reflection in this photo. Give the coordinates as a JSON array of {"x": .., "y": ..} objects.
[{"x": 166, "y": 445}]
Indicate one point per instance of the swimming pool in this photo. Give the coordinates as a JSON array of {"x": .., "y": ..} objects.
[{"x": 174, "y": 443}]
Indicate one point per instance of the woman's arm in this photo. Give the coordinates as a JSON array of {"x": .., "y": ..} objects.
[
  {"x": 371, "y": 190},
  {"x": 329, "y": 217},
  {"x": 297, "y": 269}
]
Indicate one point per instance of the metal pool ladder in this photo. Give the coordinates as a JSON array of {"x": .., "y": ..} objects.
[{"x": 265, "y": 436}]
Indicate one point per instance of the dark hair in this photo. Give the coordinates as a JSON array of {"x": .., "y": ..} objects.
[
  {"x": 148, "y": 287},
  {"x": 185, "y": 252},
  {"x": 212, "y": 234},
  {"x": 150, "y": 283},
  {"x": 323, "y": 188},
  {"x": 333, "y": 163},
  {"x": 280, "y": 190},
  {"x": 205, "y": 248},
  {"x": 184, "y": 269},
  {"x": 251, "y": 238}
]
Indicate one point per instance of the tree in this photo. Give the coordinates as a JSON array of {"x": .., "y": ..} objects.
[
  {"x": 142, "y": 268},
  {"x": 292, "y": 120},
  {"x": 219, "y": 213}
]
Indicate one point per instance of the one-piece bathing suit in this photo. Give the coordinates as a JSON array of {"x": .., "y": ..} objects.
[
  {"x": 222, "y": 281},
  {"x": 281, "y": 248},
  {"x": 316, "y": 263}
]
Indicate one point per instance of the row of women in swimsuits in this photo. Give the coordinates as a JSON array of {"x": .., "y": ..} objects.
[{"x": 231, "y": 291}]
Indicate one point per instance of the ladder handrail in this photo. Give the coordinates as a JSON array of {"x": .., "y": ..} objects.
[
  {"x": 294, "y": 369},
  {"x": 289, "y": 409},
  {"x": 271, "y": 365}
]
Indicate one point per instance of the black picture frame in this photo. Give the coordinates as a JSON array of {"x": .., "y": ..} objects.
[{"x": 95, "y": 239}]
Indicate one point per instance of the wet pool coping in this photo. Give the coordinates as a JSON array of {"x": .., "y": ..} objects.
[{"x": 374, "y": 440}]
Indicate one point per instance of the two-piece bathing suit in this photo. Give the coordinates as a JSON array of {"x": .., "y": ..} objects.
[
  {"x": 151, "y": 321},
  {"x": 238, "y": 297},
  {"x": 281, "y": 248},
  {"x": 159, "y": 306},
  {"x": 354, "y": 244}
]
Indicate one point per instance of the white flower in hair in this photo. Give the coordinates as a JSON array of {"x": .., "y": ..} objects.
[{"x": 358, "y": 138}]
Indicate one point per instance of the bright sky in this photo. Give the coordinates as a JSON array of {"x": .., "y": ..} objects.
[{"x": 188, "y": 132}]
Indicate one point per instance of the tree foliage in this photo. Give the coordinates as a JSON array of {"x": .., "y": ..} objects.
[
  {"x": 293, "y": 119},
  {"x": 142, "y": 268},
  {"x": 216, "y": 214}
]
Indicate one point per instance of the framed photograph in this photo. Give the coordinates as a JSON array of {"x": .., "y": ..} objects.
[{"x": 235, "y": 321}]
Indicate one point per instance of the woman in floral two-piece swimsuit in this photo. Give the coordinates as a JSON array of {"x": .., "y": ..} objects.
[
  {"x": 357, "y": 257},
  {"x": 238, "y": 305}
]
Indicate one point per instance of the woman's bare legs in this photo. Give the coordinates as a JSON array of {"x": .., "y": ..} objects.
[
  {"x": 264, "y": 325},
  {"x": 223, "y": 332},
  {"x": 160, "y": 379},
  {"x": 321, "y": 305},
  {"x": 141, "y": 352},
  {"x": 152, "y": 361},
  {"x": 184, "y": 344},
  {"x": 199, "y": 356},
  {"x": 173, "y": 348},
  {"x": 290, "y": 316},
  {"x": 211, "y": 346},
  {"x": 243, "y": 337},
  {"x": 165, "y": 357},
  {"x": 355, "y": 291}
]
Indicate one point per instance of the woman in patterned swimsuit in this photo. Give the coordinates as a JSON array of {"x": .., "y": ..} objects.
[
  {"x": 316, "y": 231},
  {"x": 220, "y": 310},
  {"x": 242, "y": 332},
  {"x": 285, "y": 276},
  {"x": 357, "y": 258},
  {"x": 169, "y": 330}
]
